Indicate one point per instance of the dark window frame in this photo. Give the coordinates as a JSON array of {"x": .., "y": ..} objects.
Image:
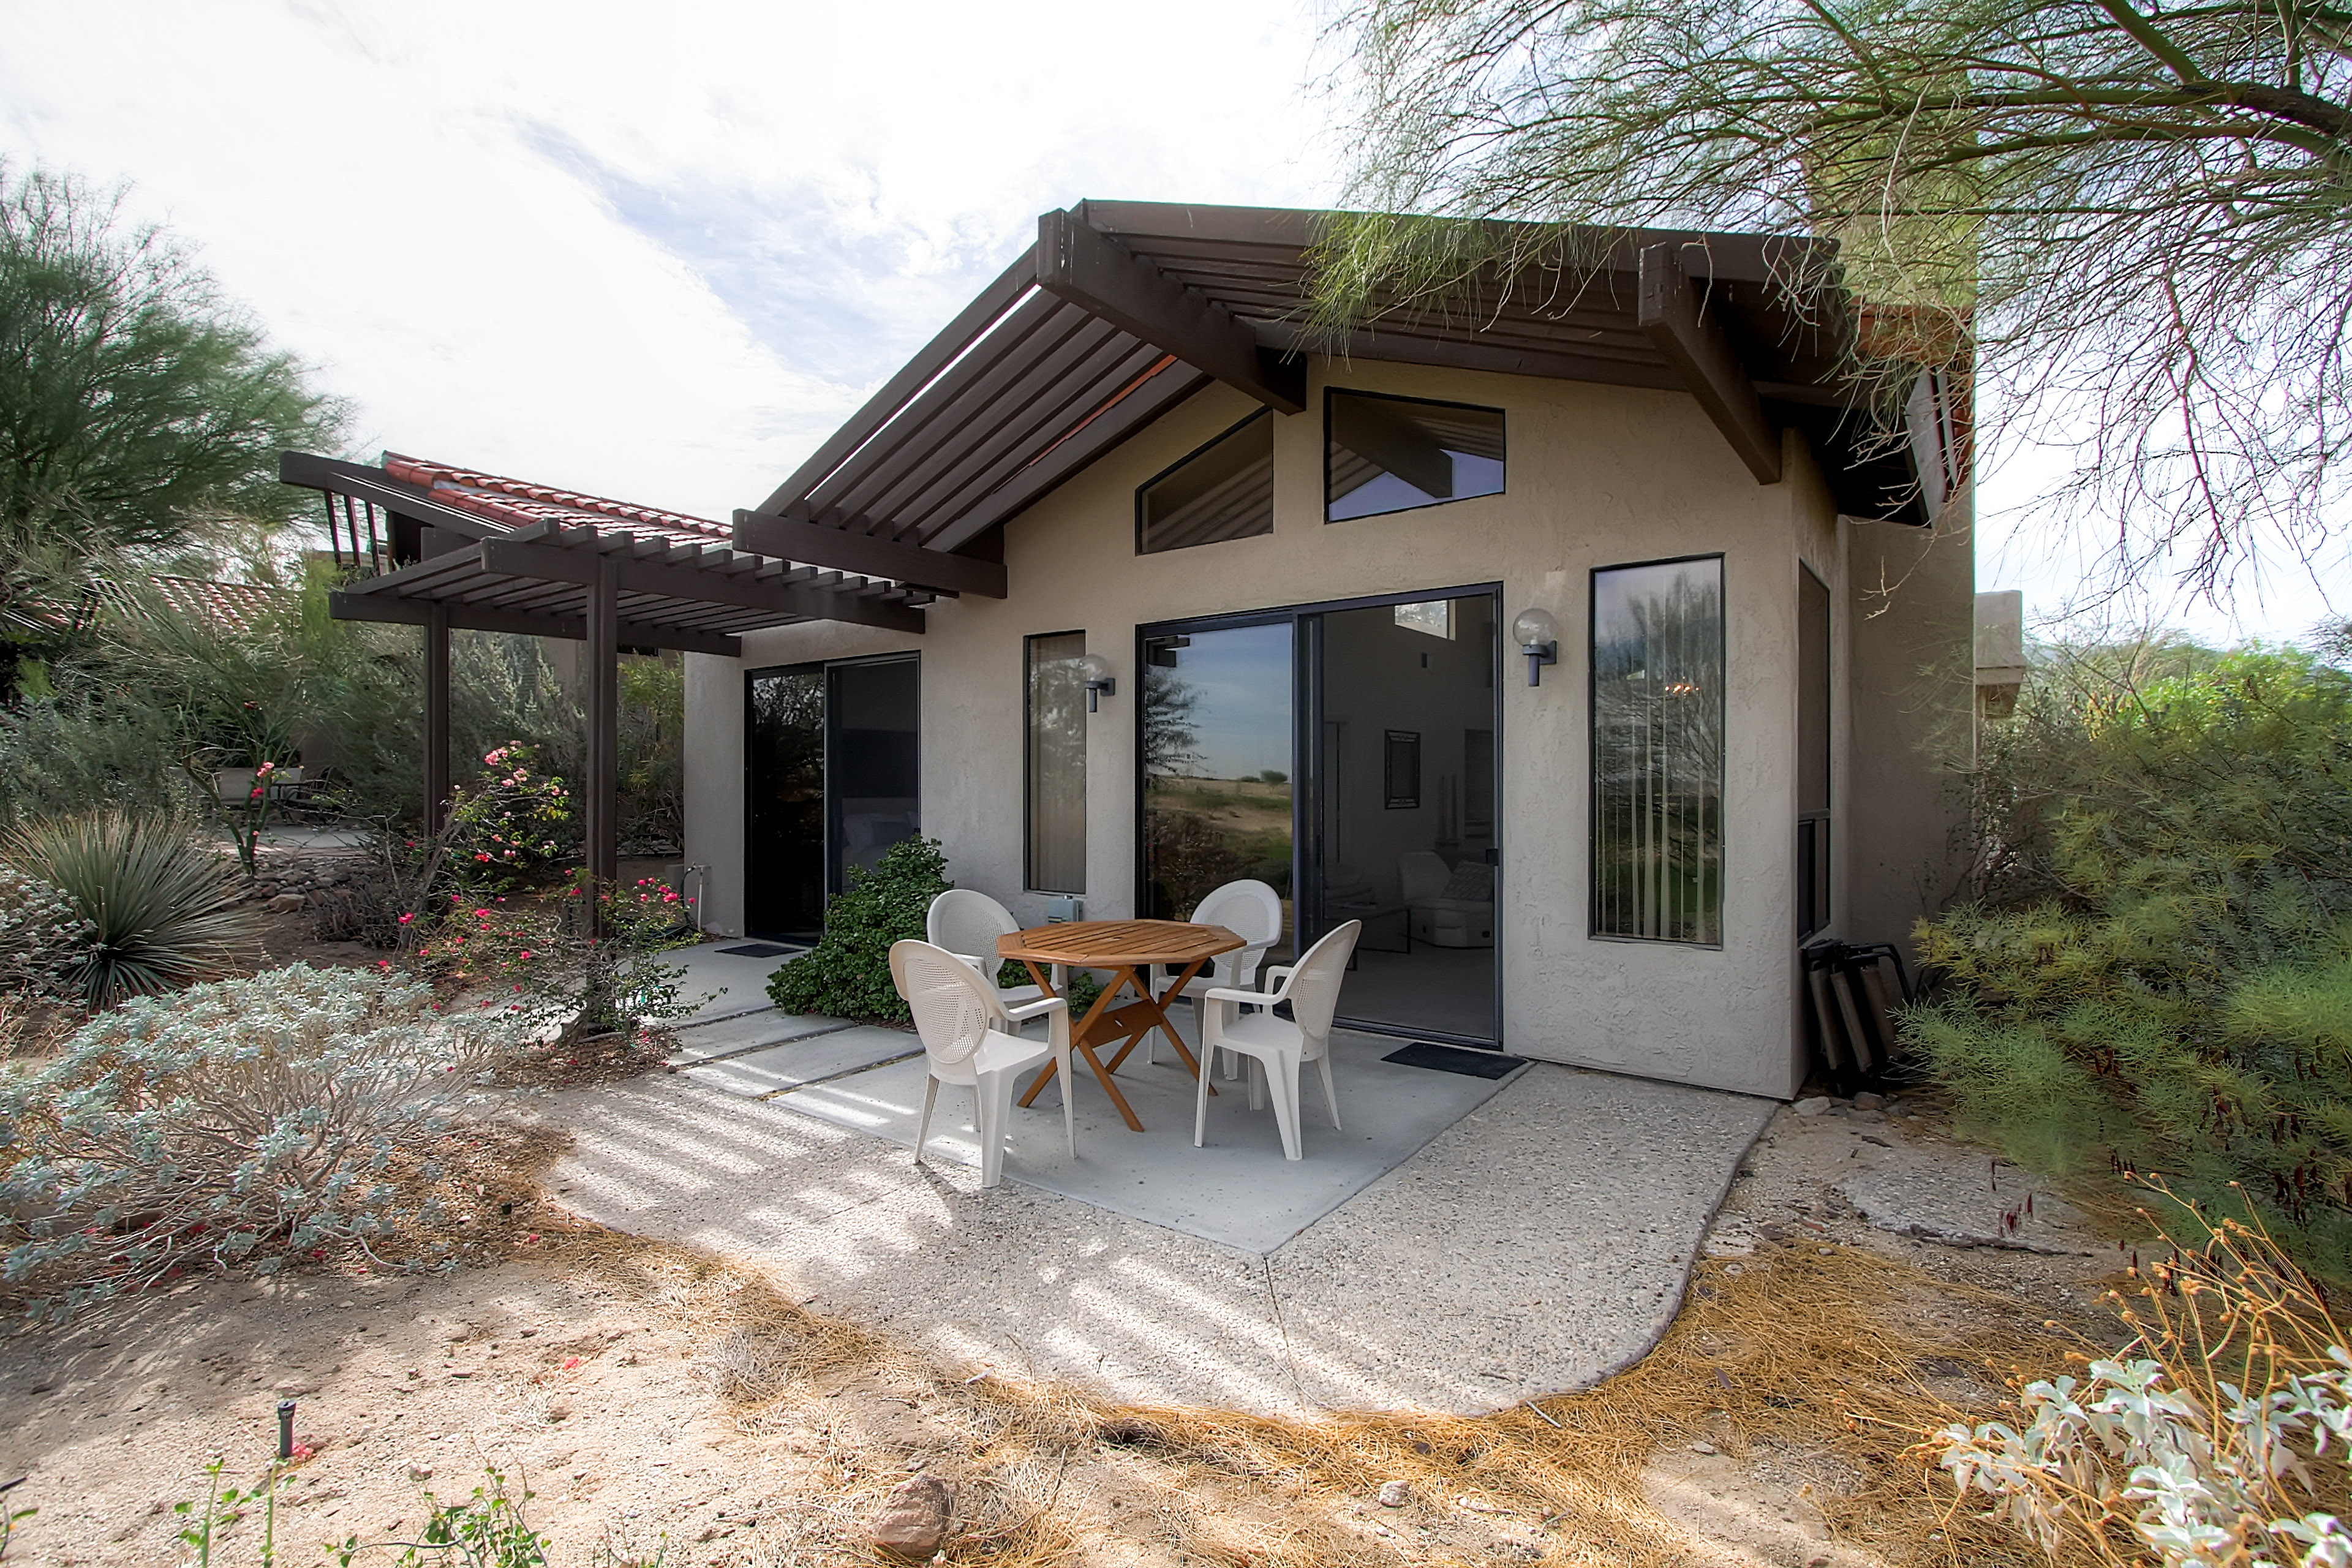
[
  {"x": 1202, "y": 450},
  {"x": 1028, "y": 771},
  {"x": 1332, "y": 392},
  {"x": 1592, "y": 752}
]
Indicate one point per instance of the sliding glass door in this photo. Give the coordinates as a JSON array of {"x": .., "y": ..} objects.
[
  {"x": 1218, "y": 730},
  {"x": 1345, "y": 754},
  {"x": 833, "y": 780}
]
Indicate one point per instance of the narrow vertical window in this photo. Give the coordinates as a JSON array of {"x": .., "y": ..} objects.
[
  {"x": 1657, "y": 751},
  {"x": 1814, "y": 911},
  {"x": 1056, "y": 763}
]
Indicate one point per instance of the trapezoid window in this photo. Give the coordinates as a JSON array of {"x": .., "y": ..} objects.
[
  {"x": 1385, "y": 454},
  {"x": 1224, "y": 490}
]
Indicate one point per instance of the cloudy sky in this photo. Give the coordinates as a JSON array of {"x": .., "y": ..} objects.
[{"x": 658, "y": 252}]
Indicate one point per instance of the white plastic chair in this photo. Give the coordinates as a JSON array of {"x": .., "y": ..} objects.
[
  {"x": 1251, "y": 911},
  {"x": 971, "y": 1038},
  {"x": 967, "y": 923},
  {"x": 1277, "y": 1046}
]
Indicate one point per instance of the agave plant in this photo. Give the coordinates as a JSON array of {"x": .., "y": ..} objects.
[{"x": 162, "y": 910}]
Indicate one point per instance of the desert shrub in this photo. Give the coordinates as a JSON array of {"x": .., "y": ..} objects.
[
  {"x": 587, "y": 962},
  {"x": 652, "y": 764},
  {"x": 2161, "y": 973},
  {"x": 244, "y": 1122},
  {"x": 2216, "y": 1436},
  {"x": 44, "y": 940},
  {"x": 847, "y": 973},
  {"x": 162, "y": 910}
]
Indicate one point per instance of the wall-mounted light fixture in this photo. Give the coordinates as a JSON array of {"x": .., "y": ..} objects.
[
  {"x": 1539, "y": 638},
  {"x": 1095, "y": 671}
]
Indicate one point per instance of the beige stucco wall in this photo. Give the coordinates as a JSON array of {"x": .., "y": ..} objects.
[{"x": 1597, "y": 476}]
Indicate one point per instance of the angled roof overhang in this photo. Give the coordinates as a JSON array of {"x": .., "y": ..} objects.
[
  {"x": 1121, "y": 309},
  {"x": 496, "y": 555}
]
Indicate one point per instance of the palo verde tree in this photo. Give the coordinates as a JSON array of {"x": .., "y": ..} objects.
[
  {"x": 2130, "y": 222},
  {"x": 139, "y": 412}
]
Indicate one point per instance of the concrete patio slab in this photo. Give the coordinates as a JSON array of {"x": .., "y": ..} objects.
[
  {"x": 722, "y": 984},
  {"x": 1238, "y": 1190},
  {"x": 1532, "y": 1247},
  {"x": 811, "y": 1058},
  {"x": 734, "y": 1034}
]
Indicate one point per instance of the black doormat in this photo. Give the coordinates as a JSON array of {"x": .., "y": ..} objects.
[
  {"x": 1454, "y": 1058},
  {"x": 758, "y": 950}
]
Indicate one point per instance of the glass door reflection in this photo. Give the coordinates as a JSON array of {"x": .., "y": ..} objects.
[{"x": 1217, "y": 767}]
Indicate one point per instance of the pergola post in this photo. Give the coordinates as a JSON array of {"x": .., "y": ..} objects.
[
  {"x": 437, "y": 717},
  {"x": 603, "y": 721}
]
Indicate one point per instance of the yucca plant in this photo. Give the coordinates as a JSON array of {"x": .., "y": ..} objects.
[{"x": 163, "y": 912}]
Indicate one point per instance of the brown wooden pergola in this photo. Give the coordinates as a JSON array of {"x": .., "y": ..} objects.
[
  {"x": 1122, "y": 310},
  {"x": 444, "y": 549}
]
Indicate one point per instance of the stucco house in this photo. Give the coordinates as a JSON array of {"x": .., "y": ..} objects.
[
  {"x": 1570, "y": 629},
  {"x": 1293, "y": 578}
]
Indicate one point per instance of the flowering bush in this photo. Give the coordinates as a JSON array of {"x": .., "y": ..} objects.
[
  {"x": 242, "y": 1121},
  {"x": 44, "y": 940},
  {"x": 505, "y": 826},
  {"x": 2221, "y": 1435},
  {"x": 587, "y": 962}
]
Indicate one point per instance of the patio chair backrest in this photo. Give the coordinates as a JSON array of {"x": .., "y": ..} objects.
[
  {"x": 963, "y": 920},
  {"x": 1249, "y": 909},
  {"x": 954, "y": 1006},
  {"x": 1315, "y": 983}
]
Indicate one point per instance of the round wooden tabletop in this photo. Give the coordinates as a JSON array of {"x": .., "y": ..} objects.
[{"x": 1106, "y": 944}]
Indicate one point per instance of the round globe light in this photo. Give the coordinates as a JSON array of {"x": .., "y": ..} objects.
[{"x": 1535, "y": 628}]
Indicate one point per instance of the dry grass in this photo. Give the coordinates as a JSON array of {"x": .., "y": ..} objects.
[{"x": 1828, "y": 1365}]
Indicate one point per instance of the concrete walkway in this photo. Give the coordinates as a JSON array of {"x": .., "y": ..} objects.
[{"x": 1536, "y": 1245}]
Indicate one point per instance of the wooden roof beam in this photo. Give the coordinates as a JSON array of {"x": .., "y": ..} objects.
[
  {"x": 550, "y": 563},
  {"x": 346, "y": 607},
  {"x": 1692, "y": 342},
  {"x": 797, "y": 539},
  {"x": 1081, "y": 264}
]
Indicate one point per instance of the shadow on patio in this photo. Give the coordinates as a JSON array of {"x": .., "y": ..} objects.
[{"x": 1462, "y": 1246}]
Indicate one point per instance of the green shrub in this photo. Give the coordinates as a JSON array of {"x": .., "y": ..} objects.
[
  {"x": 847, "y": 974},
  {"x": 2160, "y": 976},
  {"x": 162, "y": 911},
  {"x": 43, "y": 939},
  {"x": 242, "y": 1122}
]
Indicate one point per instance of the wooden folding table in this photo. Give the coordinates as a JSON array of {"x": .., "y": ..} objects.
[{"x": 1129, "y": 950}]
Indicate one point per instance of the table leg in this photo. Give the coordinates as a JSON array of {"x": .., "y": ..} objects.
[
  {"x": 1160, "y": 1009},
  {"x": 1083, "y": 1046}
]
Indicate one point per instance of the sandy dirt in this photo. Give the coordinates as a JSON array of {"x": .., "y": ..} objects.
[{"x": 659, "y": 1403}]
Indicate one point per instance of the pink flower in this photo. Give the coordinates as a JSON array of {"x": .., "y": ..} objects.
[{"x": 407, "y": 920}]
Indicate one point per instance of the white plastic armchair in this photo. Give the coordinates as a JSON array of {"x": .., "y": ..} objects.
[
  {"x": 967, "y": 923},
  {"x": 972, "y": 1038},
  {"x": 1251, "y": 911},
  {"x": 1244, "y": 1022}
]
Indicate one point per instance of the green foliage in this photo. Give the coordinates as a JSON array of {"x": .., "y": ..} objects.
[
  {"x": 43, "y": 939},
  {"x": 487, "y": 1530},
  {"x": 847, "y": 974},
  {"x": 136, "y": 407},
  {"x": 162, "y": 909},
  {"x": 588, "y": 960},
  {"x": 652, "y": 774},
  {"x": 239, "y": 1123},
  {"x": 224, "y": 1506},
  {"x": 2150, "y": 196},
  {"x": 504, "y": 828},
  {"x": 2159, "y": 974}
]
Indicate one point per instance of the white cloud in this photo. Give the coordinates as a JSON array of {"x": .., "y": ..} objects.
[
  {"x": 659, "y": 252},
  {"x": 656, "y": 253}
]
